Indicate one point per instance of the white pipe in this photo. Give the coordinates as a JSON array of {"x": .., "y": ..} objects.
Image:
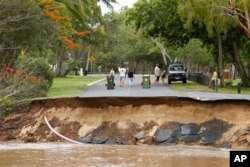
[{"x": 58, "y": 134}]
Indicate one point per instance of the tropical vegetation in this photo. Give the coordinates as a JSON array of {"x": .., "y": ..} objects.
[{"x": 41, "y": 39}]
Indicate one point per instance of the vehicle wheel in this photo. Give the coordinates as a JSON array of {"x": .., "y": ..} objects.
[
  {"x": 184, "y": 81},
  {"x": 169, "y": 81}
]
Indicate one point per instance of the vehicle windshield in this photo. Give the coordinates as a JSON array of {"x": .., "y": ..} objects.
[{"x": 177, "y": 68}]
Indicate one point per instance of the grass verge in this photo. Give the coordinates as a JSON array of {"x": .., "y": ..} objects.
[
  {"x": 193, "y": 86},
  {"x": 70, "y": 85}
]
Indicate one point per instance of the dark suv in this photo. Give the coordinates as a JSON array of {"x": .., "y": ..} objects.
[{"x": 176, "y": 72}]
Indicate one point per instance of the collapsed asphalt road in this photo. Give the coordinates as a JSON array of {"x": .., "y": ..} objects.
[
  {"x": 133, "y": 120},
  {"x": 133, "y": 115}
]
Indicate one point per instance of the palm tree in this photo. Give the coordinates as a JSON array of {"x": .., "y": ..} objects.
[
  {"x": 86, "y": 14},
  {"x": 85, "y": 7},
  {"x": 107, "y": 2}
]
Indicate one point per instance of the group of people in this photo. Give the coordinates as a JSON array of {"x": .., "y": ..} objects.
[
  {"x": 122, "y": 74},
  {"x": 158, "y": 74},
  {"x": 124, "y": 71}
]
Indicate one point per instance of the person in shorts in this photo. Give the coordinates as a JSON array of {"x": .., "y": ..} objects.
[
  {"x": 122, "y": 74},
  {"x": 213, "y": 79}
]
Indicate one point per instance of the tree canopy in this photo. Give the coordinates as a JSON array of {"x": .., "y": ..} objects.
[{"x": 73, "y": 34}]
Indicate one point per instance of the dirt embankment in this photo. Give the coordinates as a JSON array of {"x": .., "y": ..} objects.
[{"x": 160, "y": 121}]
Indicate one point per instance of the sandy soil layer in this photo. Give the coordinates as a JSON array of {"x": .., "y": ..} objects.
[{"x": 161, "y": 121}]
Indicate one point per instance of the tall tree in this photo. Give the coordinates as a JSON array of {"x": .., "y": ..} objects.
[
  {"x": 239, "y": 11},
  {"x": 215, "y": 17},
  {"x": 74, "y": 20},
  {"x": 23, "y": 29},
  {"x": 159, "y": 20},
  {"x": 195, "y": 55},
  {"x": 123, "y": 44}
]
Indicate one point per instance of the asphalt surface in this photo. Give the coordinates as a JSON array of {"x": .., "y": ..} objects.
[{"x": 99, "y": 89}]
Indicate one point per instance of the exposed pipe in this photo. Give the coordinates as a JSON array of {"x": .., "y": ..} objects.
[{"x": 60, "y": 135}]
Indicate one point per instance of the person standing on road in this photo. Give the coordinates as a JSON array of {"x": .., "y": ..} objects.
[
  {"x": 163, "y": 76},
  {"x": 130, "y": 76},
  {"x": 157, "y": 74},
  {"x": 122, "y": 73},
  {"x": 112, "y": 73},
  {"x": 214, "y": 78}
]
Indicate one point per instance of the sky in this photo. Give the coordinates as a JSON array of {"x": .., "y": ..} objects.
[{"x": 117, "y": 7}]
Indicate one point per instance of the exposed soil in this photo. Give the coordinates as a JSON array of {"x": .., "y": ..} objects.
[{"x": 133, "y": 121}]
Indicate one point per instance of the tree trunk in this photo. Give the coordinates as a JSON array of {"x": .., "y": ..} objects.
[
  {"x": 163, "y": 52},
  {"x": 60, "y": 58},
  {"x": 248, "y": 71},
  {"x": 87, "y": 64},
  {"x": 72, "y": 65},
  {"x": 242, "y": 17},
  {"x": 220, "y": 60},
  {"x": 247, "y": 17},
  {"x": 232, "y": 72},
  {"x": 239, "y": 65}
]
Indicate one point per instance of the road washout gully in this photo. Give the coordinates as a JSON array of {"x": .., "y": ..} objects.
[{"x": 135, "y": 120}]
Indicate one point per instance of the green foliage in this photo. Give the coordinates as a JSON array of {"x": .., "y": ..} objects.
[
  {"x": 159, "y": 18},
  {"x": 124, "y": 44},
  {"x": 23, "y": 26},
  {"x": 195, "y": 54},
  {"x": 193, "y": 86},
  {"x": 5, "y": 106},
  {"x": 18, "y": 84},
  {"x": 39, "y": 67},
  {"x": 201, "y": 12},
  {"x": 246, "y": 50},
  {"x": 8, "y": 105},
  {"x": 31, "y": 78}
]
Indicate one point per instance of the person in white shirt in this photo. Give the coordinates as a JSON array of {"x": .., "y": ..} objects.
[
  {"x": 122, "y": 73},
  {"x": 157, "y": 74}
]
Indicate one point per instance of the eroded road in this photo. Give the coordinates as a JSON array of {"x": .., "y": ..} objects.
[
  {"x": 100, "y": 90},
  {"x": 128, "y": 121}
]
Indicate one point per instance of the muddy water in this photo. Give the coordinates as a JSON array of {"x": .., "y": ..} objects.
[{"x": 58, "y": 155}]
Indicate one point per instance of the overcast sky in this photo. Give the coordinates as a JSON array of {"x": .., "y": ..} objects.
[{"x": 118, "y": 6}]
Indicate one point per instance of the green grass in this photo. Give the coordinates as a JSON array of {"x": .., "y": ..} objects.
[
  {"x": 193, "y": 86},
  {"x": 70, "y": 85}
]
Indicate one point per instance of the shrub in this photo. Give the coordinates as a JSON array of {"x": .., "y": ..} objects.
[
  {"x": 40, "y": 68},
  {"x": 32, "y": 77},
  {"x": 5, "y": 106},
  {"x": 9, "y": 104}
]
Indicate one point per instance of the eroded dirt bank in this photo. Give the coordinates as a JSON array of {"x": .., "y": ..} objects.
[{"x": 160, "y": 121}]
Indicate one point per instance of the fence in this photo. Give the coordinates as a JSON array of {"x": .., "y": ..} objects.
[{"x": 199, "y": 78}]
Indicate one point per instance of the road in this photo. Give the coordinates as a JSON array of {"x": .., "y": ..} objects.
[{"x": 163, "y": 90}]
